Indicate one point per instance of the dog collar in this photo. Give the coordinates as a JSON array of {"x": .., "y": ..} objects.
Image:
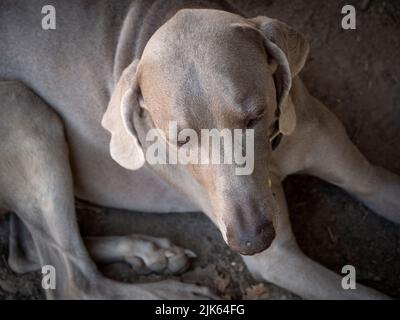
[{"x": 276, "y": 137}]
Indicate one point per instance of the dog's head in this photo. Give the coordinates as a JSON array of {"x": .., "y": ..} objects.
[{"x": 209, "y": 69}]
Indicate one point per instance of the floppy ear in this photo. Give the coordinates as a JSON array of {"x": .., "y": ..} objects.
[
  {"x": 288, "y": 49},
  {"x": 118, "y": 118}
]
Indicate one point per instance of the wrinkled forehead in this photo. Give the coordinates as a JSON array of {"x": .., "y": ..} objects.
[{"x": 199, "y": 59}]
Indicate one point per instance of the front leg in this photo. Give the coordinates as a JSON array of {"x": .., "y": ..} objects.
[
  {"x": 286, "y": 266},
  {"x": 36, "y": 184},
  {"x": 335, "y": 159},
  {"x": 144, "y": 254}
]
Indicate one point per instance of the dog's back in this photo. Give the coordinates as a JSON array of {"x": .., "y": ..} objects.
[
  {"x": 73, "y": 69},
  {"x": 56, "y": 63}
]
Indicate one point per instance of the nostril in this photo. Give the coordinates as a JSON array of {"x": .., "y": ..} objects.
[{"x": 262, "y": 227}]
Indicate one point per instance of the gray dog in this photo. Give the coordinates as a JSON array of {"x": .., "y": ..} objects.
[{"x": 132, "y": 66}]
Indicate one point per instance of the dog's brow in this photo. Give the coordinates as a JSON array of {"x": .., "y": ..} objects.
[
  {"x": 250, "y": 104},
  {"x": 253, "y": 109}
]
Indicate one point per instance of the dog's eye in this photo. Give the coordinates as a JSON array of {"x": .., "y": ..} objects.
[
  {"x": 182, "y": 143},
  {"x": 253, "y": 121}
]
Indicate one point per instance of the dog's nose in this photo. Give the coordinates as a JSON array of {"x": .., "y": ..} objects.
[{"x": 250, "y": 239}]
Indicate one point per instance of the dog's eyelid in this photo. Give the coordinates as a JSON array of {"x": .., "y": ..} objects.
[
  {"x": 255, "y": 115},
  {"x": 251, "y": 112},
  {"x": 260, "y": 114},
  {"x": 180, "y": 143},
  {"x": 254, "y": 119},
  {"x": 257, "y": 109}
]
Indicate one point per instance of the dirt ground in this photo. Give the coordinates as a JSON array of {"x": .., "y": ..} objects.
[{"x": 356, "y": 73}]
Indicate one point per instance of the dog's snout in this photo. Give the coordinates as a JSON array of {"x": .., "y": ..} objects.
[{"x": 250, "y": 239}]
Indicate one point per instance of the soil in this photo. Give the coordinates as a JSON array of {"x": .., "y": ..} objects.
[{"x": 354, "y": 72}]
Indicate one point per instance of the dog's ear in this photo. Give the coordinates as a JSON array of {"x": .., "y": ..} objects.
[
  {"x": 287, "y": 52},
  {"x": 125, "y": 148}
]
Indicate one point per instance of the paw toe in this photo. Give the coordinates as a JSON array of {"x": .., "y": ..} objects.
[{"x": 160, "y": 256}]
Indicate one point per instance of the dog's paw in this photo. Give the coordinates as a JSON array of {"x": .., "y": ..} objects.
[
  {"x": 175, "y": 290},
  {"x": 149, "y": 254}
]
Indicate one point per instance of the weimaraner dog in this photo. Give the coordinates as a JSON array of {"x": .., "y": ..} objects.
[{"x": 76, "y": 103}]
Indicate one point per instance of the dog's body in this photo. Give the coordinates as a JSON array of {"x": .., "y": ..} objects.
[
  {"x": 71, "y": 54},
  {"x": 75, "y": 69}
]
